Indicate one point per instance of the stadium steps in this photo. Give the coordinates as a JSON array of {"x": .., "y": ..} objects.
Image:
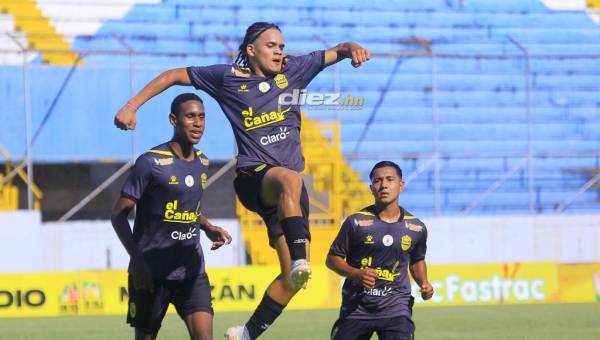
[
  {"x": 40, "y": 33},
  {"x": 9, "y": 196}
]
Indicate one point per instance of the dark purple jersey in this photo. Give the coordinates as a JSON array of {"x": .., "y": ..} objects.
[
  {"x": 366, "y": 241},
  {"x": 265, "y": 122},
  {"x": 167, "y": 191}
]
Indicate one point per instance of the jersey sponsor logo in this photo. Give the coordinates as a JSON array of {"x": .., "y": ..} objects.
[
  {"x": 252, "y": 121},
  {"x": 406, "y": 242},
  {"x": 163, "y": 161},
  {"x": 382, "y": 273},
  {"x": 203, "y": 179},
  {"x": 378, "y": 291},
  {"x": 363, "y": 223},
  {"x": 204, "y": 161},
  {"x": 173, "y": 180},
  {"x": 281, "y": 81},
  {"x": 264, "y": 87},
  {"x": 243, "y": 88},
  {"x": 414, "y": 227},
  {"x": 173, "y": 215},
  {"x": 369, "y": 239},
  {"x": 275, "y": 138},
  {"x": 387, "y": 240},
  {"x": 189, "y": 181},
  {"x": 182, "y": 235}
]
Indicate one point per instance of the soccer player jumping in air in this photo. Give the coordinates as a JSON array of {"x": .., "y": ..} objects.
[
  {"x": 167, "y": 263},
  {"x": 267, "y": 134},
  {"x": 373, "y": 250}
]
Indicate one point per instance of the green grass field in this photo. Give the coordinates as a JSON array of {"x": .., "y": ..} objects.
[{"x": 545, "y": 322}]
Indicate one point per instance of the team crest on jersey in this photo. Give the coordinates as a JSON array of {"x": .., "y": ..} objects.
[
  {"x": 369, "y": 239},
  {"x": 189, "y": 181},
  {"x": 387, "y": 240},
  {"x": 414, "y": 227},
  {"x": 204, "y": 161},
  {"x": 163, "y": 161},
  {"x": 243, "y": 88},
  {"x": 363, "y": 223},
  {"x": 173, "y": 180},
  {"x": 203, "y": 179},
  {"x": 281, "y": 81},
  {"x": 406, "y": 242}
]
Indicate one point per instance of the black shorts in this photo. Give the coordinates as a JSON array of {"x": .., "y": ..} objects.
[
  {"x": 147, "y": 310},
  {"x": 247, "y": 185},
  {"x": 397, "y": 328}
]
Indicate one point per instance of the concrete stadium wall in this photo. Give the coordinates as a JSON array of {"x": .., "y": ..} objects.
[{"x": 28, "y": 245}]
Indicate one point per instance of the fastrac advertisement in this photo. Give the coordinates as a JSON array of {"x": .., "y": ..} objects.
[
  {"x": 241, "y": 288},
  {"x": 508, "y": 283}
]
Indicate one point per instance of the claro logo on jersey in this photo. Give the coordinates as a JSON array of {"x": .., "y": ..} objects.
[
  {"x": 254, "y": 121},
  {"x": 276, "y": 137},
  {"x": 172, "y": 214}
]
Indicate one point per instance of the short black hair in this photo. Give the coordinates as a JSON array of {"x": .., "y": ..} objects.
[
  {"x": 182, "y": 98},
  {"x": 252, "y": 33},
  {"x": 384, "y": 164}
]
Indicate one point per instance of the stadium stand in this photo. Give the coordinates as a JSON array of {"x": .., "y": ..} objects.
[{"x": 472, "y": 109}]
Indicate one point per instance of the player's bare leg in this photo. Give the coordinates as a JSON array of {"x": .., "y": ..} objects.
[
  {"x": 139, "y": 335},
  {"x": 277, "y": 296},
  {"x": 283, "y": 187},
  {"x": 200, "y": 325}
]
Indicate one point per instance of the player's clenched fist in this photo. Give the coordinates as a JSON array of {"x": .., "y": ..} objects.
[
  {"x": 426, "y": 291},
  {"x": 366, "y": 277},
  {"x": 125, "y": 119},
  {"x": 358, "y": 54}
]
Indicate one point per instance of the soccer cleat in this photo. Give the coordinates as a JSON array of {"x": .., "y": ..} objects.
[
  {"x": 237, "y": 333},
  {"x": 300, "y": 273}
]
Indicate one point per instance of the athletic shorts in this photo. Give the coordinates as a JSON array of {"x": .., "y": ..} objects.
[
  {"x": 396, "y": 328},
  {"x": 247, "y": 185},
  {"x": 147, "y": 310}
]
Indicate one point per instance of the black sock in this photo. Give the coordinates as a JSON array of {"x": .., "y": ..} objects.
[
  {"x": 265, "y": 314},
  {"x": 296, "y": 236}
]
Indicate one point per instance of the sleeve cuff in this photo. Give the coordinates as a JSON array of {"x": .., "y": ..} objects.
[{"x": 126, "y": 195}]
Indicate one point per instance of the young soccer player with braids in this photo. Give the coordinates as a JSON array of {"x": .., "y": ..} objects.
[{"x": 267, "y": 133}]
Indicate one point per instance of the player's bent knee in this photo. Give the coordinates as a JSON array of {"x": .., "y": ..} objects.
[{"x": 292, "y": 183}]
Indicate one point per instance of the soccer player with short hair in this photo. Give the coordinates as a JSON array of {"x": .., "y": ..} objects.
[
  {"x": 167, "y": 263},
  {"x": 267, "y": 133},
  {"x": 373, "y": 250}
]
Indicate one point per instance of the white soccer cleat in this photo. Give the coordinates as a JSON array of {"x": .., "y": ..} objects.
[
  {"x": 237, "y": 333},
  {"x": 300, "y": 273}
]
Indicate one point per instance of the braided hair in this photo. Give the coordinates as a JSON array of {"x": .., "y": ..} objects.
[{"x": 252, "y": 33}]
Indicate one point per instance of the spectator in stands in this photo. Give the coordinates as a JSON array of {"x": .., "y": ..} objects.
[
  {"x": 267, "y": 132},
  {"x": 373, "y": 250},
  {"x": 167, "y": 263}
]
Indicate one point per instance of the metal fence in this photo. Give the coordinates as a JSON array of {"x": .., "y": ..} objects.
[{"x": 432, "y": 93}]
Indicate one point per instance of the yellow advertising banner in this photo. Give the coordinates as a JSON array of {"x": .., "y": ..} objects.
[
  {"x": 579, "y": 282},
  {"x": 481, "y": 284},
  {"x": 242, "y": 288}
]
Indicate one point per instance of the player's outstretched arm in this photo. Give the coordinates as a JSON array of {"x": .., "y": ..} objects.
[
  {"x": 365, "y": 277},
  {"x": 350, "y": 50},
  {"x": 218, "y": 235},
  {"x": 142, "y": 277},
  {"x": 125, "y": 118},
  {"x": 418, "y": 270}
]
